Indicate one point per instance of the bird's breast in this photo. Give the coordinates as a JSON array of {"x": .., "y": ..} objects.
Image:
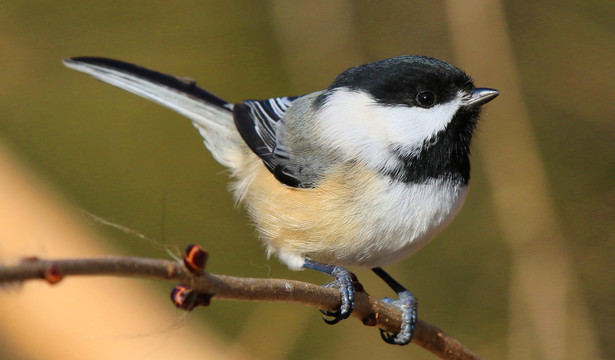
[{"x": 353, "y": 217}]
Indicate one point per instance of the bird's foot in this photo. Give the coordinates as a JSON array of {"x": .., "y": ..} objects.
[
  {"x": 408, "y": 305},
  {"x": 344, "y": 282}
]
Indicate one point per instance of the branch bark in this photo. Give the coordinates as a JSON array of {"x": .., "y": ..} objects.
[{"x": 370, "y": 311}]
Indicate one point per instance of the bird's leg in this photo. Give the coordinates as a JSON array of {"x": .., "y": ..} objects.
[
  {"x": 407, "y": 304},
  {"x": 344, "y": 282}
]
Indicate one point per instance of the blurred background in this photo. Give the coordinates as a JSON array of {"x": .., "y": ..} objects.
[{"x": 526, "y": 270}]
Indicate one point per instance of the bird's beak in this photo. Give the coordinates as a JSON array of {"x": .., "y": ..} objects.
[{"x": 481, "y": 96}]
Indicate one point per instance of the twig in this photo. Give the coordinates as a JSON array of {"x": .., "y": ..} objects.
[{"x": 369, "y": 310}]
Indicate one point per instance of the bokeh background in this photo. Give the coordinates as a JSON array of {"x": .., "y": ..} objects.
[{"x": 526, "y": 271}]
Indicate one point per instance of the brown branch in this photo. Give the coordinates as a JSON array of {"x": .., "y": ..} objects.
[{"x": 369, "y": 310}]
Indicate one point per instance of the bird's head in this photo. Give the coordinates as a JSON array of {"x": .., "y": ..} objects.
[{"x": 409, "y": 116}]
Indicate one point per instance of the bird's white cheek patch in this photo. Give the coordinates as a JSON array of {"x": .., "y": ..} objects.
[
  {"x": 348, "y": 125},
  {"x": 409, "y": 127},
  {"x": 354, "y": 123}
]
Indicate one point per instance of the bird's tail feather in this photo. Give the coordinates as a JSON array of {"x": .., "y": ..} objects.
[{"x": 211, "y": 115}]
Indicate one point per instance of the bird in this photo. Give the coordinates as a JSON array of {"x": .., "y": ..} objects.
[{"x": 361, "y": 174}]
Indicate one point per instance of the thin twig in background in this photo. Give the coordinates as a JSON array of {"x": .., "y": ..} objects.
[
  {"x": 370, "y": 311},
  {"x": 546, "y": 299}
]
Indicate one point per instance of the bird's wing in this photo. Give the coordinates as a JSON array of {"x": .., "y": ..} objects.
[{"x": 257, "y": 122}]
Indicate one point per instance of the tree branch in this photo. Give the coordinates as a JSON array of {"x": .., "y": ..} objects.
[{"x": 369, "y": 310}]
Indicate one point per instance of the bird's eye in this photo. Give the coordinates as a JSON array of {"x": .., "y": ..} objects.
[{"x": 426, "y": 99}]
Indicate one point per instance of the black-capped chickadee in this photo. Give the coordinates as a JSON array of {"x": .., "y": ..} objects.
[{"x": 363, "y": 173}]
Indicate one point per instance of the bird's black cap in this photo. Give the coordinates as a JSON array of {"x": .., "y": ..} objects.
[{"x": 398, "y": 80}]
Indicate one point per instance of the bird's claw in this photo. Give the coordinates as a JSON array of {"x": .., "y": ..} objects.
[
  {"x": 331, "y": 317},
  {"x": 407, "y": 304},
  {"x": 344, "y": 283}
]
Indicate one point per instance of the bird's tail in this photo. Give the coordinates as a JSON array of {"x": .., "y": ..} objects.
[{"x": 212, "y": 116}]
